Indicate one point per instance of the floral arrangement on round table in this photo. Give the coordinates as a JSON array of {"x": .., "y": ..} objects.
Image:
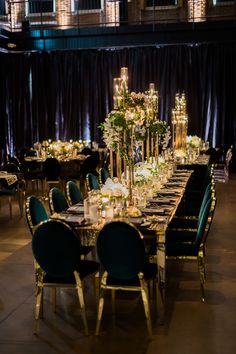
[{"x": 193, "y": 141}]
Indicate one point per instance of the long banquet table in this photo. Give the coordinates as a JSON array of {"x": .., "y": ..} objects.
[{"x": 153, "y": 223}]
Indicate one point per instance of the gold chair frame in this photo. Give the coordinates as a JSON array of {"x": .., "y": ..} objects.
[
  {"x": 78, "y": 286},
  {"x": 143, "y": 288},
  {"x": 200, "y": 258}
]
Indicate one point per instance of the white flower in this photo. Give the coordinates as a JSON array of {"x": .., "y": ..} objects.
[
  {"x": 114, "y": 188},
  {"x": 193, "y": 141}
]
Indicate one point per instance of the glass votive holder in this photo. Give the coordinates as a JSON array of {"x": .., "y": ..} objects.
[
  {"x": 86, "y": 208},
  {"x": 93, "y": 212},
  {"x": 142, "y": 202},
  {"x": 109, "y": 212}
]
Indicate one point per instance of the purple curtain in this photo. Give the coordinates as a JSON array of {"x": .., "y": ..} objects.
[{"x": 66, "y": 94}]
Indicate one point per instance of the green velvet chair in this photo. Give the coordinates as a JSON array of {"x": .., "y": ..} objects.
[
  {"x": 221, "y": 170},
  {"x": 51, "y": 174},
  {"x": 57, "y": 201},
  {"x": 103, "y": 175},
  {"x": 191, "y": 203},
  {"x": 194, "y": 196},
  {"x": 185, "y": 222},
  {"x": 73, "y": 193},
  {"x": 35, "y": 212},
  {"x": 58, "y": 204},
  {"x": 56, "y": 249},
  {"x": 92, "y": 182},
  {"x": 121, "y": 251},
  {"x": 191, "y": 245}
]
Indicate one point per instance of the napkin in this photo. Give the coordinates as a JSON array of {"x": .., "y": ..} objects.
[
  {"x": 153, "y": 211},
  {"x": 76, "y": 209}
]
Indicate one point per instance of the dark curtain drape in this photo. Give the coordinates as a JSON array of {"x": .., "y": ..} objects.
[{"x": 67, "y": 94}]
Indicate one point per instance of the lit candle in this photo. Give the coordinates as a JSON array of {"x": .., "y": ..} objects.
[
  {"x": 116, "y": 88},
  {"x": 124, "y": 78},
  {"x": 152, "y": 87},
  {"x": 109, "y": 212}
]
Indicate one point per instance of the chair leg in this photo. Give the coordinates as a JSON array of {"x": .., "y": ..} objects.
[
  {"x": 157, "y": 294},
  {"x": 10, "y": 205},
  {"x": 54, "y": 299},
  {"x": 20, "y": 202},
  {"x": 41, "y": 305},
  {"x": 202, "y": 272},
  {"x": 113, "y": 297},
  {"x": 96, "y": 287},
  {"x": 100, "y": 311},
  {"x": 80, "y": 293},
  {"x": 145, "y": 298},
  {"x": 151, "y": 285},
  {"x": 39, "y": 291}
]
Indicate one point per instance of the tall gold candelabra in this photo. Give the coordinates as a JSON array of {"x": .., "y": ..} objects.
[
  {"x": 120, "y": 88},
  {"x": 152, "y": 109},
  {"x": 135, "y": 116},
  {"x": 179, "y": 123}
]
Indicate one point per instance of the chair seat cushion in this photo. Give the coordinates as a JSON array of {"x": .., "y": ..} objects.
[
  {"x": 149, "y": 271},
  {"x": 84, "y": 269},
  {"x": 174, "y": 236},
  {"x": 86, "y": 250},
  {"x": 176, "y": 249},
  {"x": 188, "y": 209},
  {"x": 9, "y": 191},
  {"x": 48, "y": 279},
  {"x": 183, "y": 223},
  {"x": 87, "y": 267}
]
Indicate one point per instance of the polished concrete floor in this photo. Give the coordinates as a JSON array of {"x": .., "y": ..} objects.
[{"x": 190, "y": 326}]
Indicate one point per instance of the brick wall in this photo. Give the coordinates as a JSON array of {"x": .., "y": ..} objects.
[
  {"x": 63, "y": 12},
  {"x": 221, "y": 11},
  {"x": 137, "y": 14},
  {"x": 17, "y": 13}
]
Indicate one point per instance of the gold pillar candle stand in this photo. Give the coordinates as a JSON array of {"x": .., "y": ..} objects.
[{"x": 179, "y": 123}]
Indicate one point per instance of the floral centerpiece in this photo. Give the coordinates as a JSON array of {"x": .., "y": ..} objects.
[
  {"x": 113, "y": 188},
  {"x": 131, "y": 121},
  {"x": 144, "y": 172},
  {"x": 132, "y": 127},
  {"x": 126, "y": 123},
  {"x": 63, "y": 149},
  {"x": 193, "y": 141}
]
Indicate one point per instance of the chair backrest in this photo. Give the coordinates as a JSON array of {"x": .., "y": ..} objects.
[
  {"x": 103, "y": 175},
  {"x": 92, "y": 182},
  {"x": 57, "y": 201},
  {"x": 228, "y": 156},
  {"x": 12, "y": 167},
  {"x": 73, "y": 193},
  {"x": 56, "y": 248},
  {"x": 51, "y": 169},
  {"x": 207, "y": 195},
  {"x": 35, "y": 212},
  {"x": 121, "y": 250},
  {"x": 14, "y": 159},
  {"x": 203, "y": 222},
  {"x": 208, "y": 177},
  {"x": 86, "y": 151},
  {"x": 90, "y": 164}
]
